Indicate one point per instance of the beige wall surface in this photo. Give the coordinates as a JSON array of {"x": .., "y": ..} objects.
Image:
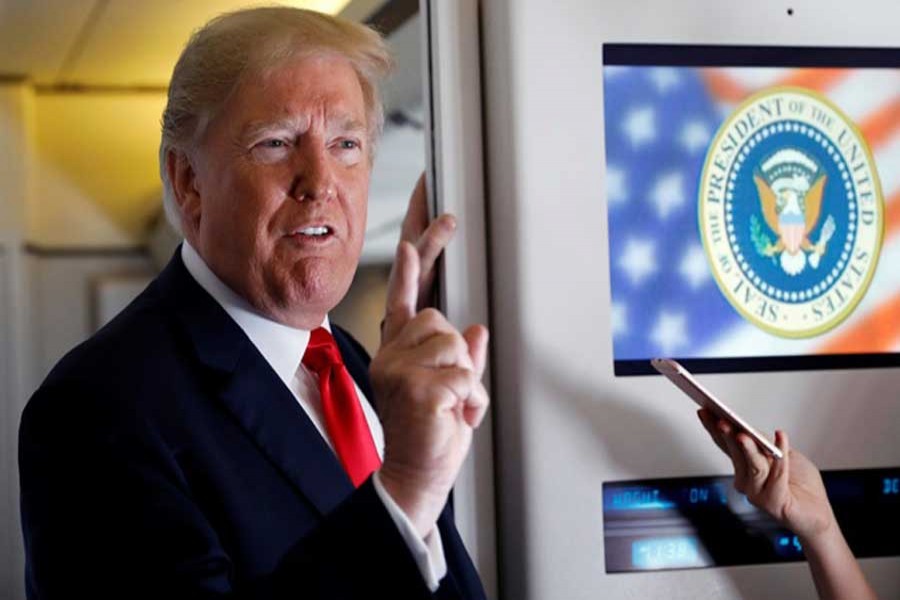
[
  {"x": 96, "y": 177},
  {"x": 8, "y": 533},
  {"x": 16, "y": 107},
  {"x": 16, "y": 112}
]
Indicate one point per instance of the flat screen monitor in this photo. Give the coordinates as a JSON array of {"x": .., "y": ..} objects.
[{"x": 753, "y": 204}]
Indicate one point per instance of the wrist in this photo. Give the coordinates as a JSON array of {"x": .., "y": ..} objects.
[
  {"x": 421, "y": 505},
  {"x": 823, "y": 538}
]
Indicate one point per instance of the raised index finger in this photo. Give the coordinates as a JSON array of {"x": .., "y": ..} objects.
[{"x": 402, "y": 292}]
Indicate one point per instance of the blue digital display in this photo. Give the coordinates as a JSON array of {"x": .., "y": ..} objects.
[
  {"x": 637, "y": 498},
  {"x": 788, "y": 545},
  {"x": 675, "y": 552},
  {"x": 708, "y": 494},
  {"x": 653, "y": 498},
  {"x": 691, "y": 522}
]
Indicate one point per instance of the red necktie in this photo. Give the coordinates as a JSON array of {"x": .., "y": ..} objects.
[{"x": 344, "y": 419}]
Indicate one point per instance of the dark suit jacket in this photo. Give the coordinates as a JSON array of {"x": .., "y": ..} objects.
[{"x": 163, "y": 458}]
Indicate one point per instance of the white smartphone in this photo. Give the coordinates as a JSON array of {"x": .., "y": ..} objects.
[{"x": 683, "y": 379}]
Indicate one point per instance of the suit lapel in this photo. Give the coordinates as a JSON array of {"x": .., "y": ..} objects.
[
  {"x": 253, "y": 393},
  {"x": 267, "y": 410}
]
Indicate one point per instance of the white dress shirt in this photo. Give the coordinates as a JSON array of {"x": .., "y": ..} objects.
[{"x": 283, "y": 348}]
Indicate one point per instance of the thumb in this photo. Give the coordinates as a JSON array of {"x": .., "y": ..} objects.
[
  {"x": 476, "y": 337},
  {"x": 781, "y": 469},
  {"x": 402, "y": 292}
]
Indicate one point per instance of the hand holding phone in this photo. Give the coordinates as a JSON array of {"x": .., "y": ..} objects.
[{"x": 683, "y": 379}]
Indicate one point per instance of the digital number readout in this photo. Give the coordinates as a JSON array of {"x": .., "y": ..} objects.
[{"x": 676, "y": 552}]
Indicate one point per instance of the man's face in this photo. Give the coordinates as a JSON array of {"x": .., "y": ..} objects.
[{"x": 282, "y": 177}]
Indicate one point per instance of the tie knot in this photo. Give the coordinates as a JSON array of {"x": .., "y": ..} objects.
[{"x": 322, "y": 352}]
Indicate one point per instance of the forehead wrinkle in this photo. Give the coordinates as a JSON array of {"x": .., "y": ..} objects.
[{"x": 293, "y": 123}]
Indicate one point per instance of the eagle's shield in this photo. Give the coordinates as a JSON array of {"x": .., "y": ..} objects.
[{"x": 792, "y": 231}]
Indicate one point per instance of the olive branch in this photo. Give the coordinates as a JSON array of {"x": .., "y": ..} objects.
[{"x": 761, "y": 241}]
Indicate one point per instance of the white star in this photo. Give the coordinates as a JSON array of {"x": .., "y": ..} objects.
[
  {"x": 616, "y": 191},
  {"x": 619, "y": 319},
  {"x": 694, "y": 268},
  {"x": 668, "y": 193},
  {"x": 639, "y": 260},
  {"x": 664, "y": 78},
  {"x": 669, "y": 333},
  {"x": 694, "y": 136},
  {"x": 640, "y": 126}
]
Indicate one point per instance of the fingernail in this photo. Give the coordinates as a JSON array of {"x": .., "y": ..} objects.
[{"x": 449, "y": 221}]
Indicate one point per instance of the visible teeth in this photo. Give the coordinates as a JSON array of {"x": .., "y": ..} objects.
[{"x": 314, "y": 231}]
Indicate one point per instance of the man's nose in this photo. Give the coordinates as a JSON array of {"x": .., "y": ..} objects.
[{"x": 313, "y": 173}]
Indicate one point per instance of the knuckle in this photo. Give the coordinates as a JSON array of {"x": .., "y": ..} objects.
[
  {"x": 444, "y": 345},
  {"x": 431, "y": 316}
]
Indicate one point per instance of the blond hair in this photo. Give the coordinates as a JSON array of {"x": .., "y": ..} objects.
[{"x": 258, "y": 40}]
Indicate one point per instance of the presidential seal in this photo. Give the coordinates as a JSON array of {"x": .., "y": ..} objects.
[{"x": 791, "y": 212}]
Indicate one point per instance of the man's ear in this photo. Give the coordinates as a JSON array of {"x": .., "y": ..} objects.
[{"x": 184, "y": 184}]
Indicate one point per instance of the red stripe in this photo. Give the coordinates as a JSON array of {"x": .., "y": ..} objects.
[
  {"x": 880, "y": 125},
  {"x": 892, "y": 215},
  {"x": 726, "y": 88},
  {"x": 876, "y": 333},
  {"x": 723, "y": 87},
  {"x": 818, "y": 80}
]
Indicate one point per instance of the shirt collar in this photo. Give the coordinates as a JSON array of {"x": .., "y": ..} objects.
[{"x": 280, "y": 345}]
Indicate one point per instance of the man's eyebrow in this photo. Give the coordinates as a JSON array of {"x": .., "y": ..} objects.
[
  {"x": 255, "y": 127},
  {"x": 348, "y": 123},
  {"x": 340, "y": 123}
]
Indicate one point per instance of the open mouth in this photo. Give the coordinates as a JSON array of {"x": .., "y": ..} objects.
[{"x": 313, "y": 232}]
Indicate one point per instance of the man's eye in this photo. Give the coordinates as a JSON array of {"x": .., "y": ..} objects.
[
  {"x": 348, "y": 144},
  {"x": 271, "y": 149}
]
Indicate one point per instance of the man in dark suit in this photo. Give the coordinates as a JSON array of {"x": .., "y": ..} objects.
[{"x": 216, "y": 439}]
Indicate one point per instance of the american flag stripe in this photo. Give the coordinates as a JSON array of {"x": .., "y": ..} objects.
[
  {"x": 862, "y": 107},
  {"x": 887, "y": 155},
  {"x": 881, "y": 126},
  {"x": 727, "y": 87},
  {"x": 875, "y": 325},
  {"x": 814, "y": 79},
  {"x": 892, "y": 214},
  {"x": 878, "y": 331}
]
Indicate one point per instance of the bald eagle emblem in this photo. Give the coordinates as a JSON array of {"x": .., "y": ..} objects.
[{"x": 790, "y": 185}]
